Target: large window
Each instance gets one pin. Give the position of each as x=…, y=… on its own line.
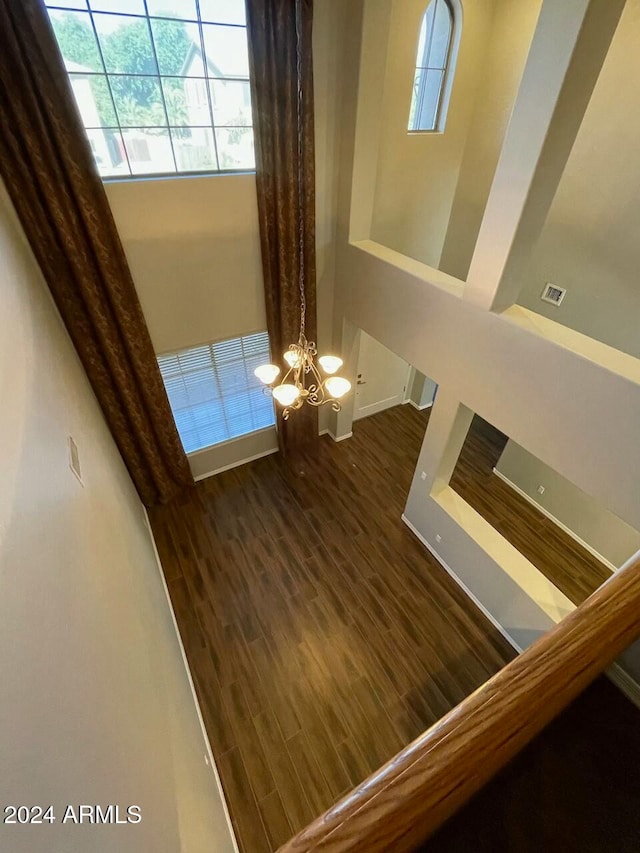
x=434, y=67
x=213, y=393
x=162, y=85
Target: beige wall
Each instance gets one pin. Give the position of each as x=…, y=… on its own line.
x=589, y=243
x=96, y=703
x=418, y=172
x=592, y=523
x=500, y=70
x=194, y=251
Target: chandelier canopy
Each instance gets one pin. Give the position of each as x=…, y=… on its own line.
x=303, y=381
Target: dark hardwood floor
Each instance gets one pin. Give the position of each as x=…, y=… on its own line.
x=321, y=635
x=559, y=557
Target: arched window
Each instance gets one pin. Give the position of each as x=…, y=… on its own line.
x=434, y=67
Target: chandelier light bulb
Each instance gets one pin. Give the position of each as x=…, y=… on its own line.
x=267, y=373
x=337, y=386
x=286, y=394
x=293, y=358
x=330, y=363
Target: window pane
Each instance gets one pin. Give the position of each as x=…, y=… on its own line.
x=195, y=150
x=108, y=151
x=426, y=95
x=138, y=101
x=186, y=101
x=213, y=393
x=231, y=101
x=426, y=29
x=126, y=44
x=235, y=148
x=76, y=40
x=149, y=151
x=93, y=98
x=143, y=82
x=173, y=8
x=128, y=7
x=226, y=51
x=177, y=46
x=223, y=11
x=441, y=36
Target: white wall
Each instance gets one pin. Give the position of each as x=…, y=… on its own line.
x=592, y=523
x=589, y=243
x=418, y=172
x=96, y=704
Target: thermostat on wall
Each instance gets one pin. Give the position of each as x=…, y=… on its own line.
x=553, y=294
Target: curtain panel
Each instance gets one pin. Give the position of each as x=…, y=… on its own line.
x=271, y=27
x=48, y=168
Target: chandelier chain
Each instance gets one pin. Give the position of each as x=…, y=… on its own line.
x=301, y=197
x=303, y=383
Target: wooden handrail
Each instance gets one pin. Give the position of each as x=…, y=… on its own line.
x=413, y=794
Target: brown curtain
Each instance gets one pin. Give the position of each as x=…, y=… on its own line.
x=48, y=169
x=271, y=26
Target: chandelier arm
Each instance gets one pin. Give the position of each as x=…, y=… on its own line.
x=283, y=381
x=335, y=404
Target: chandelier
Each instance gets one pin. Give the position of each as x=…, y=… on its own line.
x=303, y=382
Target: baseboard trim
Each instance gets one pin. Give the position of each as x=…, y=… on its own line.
x=212, y=762
x=380, y=406
x=334, y=437
x=555, y=520
x=419, y=408
x=236, y=464
x=461, y=584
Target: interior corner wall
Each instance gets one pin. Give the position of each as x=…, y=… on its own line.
x=599, y=528
x=418, y=172
x=505, y=54
x=96, y=704
x=589, y=244
x=422, y=390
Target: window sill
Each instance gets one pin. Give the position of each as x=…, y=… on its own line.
x=168, y=176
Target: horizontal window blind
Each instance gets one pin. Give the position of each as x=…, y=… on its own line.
x=213, y=393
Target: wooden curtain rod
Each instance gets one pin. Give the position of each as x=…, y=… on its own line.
x=405, y=801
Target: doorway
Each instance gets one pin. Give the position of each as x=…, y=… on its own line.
x=382, y=378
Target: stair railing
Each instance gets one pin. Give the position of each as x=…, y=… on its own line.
x=405, y=801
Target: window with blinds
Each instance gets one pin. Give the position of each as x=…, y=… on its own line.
x=213, y=393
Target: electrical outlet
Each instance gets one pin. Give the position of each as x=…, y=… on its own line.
x=423, y=476
x=438, y=537
x=541, y=490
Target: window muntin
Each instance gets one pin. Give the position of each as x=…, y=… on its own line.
x=162, y=85
x=433, y=66
x=213, y=392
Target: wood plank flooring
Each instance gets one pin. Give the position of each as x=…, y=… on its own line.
x=568, y=565
x=321, y=635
